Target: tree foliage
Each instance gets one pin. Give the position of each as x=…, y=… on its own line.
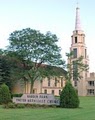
x=1, y=52
x=75, y=67
x=5, y=71
x=35, y=49
x=69, y=97
x=5, y=95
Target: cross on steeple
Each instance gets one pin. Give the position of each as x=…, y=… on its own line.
x=77, y=3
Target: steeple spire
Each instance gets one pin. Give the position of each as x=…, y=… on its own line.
x=77, y=21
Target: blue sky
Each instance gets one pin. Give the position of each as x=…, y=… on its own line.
x=57, y=16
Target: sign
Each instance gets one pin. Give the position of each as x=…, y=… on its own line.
x=47, y=99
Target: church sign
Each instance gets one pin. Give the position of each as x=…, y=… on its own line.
x=47, y=99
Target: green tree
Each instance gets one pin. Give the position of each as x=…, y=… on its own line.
x=69, y=97
x=35, y=49
x=1, y=52
x=4, y=71
x=75, y=67
x=5, y=95
x=9, y=68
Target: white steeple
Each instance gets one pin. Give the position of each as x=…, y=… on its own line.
x=79, y=49
x=77, y=21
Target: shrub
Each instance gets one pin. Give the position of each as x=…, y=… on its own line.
x=20, y=105
x=16, y=95
x=28, y=105
x=39, y=106
x=0, y=97
x=69, y=97
x=35, y=105
x=5, y=95
x=11, y=105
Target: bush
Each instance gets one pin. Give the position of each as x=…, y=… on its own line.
x=11, y=105
x=16, y=95
x=28, y=105
x=20, y=105
x=39, y=106
x=0, y=97
x=69, y=97
x=5, y=95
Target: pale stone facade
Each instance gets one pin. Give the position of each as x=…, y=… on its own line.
x=91, y=85
x=79, y=48
x=51, y=85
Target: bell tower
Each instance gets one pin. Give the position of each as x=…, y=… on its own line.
x=79, y=49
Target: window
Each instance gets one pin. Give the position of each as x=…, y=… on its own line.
x=83, y=39
x=75, y=52
x=49, y=81
x=91, y=83
x=55, y=82
x=75, y=83
x=75, y=71
x=85, y=53
x=90, y=91
x=75, y=39
x=52, y=92
x=61, y=82
x=59, y=92
x=34, y=91
x=45, y=91
x=86, y=74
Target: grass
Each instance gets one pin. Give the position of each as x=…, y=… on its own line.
x=86, y=111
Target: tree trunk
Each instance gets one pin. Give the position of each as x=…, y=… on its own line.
x=25, y=86
x=31, y=88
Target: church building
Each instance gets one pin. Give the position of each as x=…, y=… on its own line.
x=54, y=85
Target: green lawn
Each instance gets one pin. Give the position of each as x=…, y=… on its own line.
x=85, y=112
